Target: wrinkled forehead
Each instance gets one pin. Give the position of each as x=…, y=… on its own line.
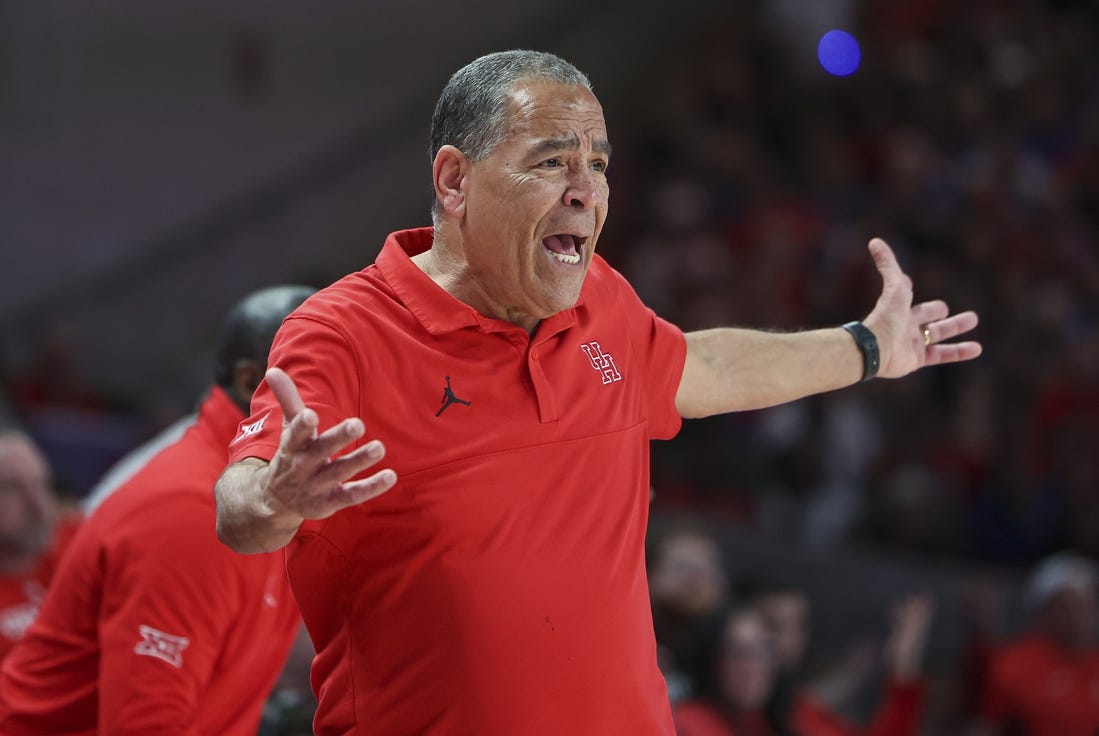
x=542, y=107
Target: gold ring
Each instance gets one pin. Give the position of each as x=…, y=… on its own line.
x=927, y=337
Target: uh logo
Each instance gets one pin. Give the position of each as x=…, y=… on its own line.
x=601, y=362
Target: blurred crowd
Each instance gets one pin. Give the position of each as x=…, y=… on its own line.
x=968, y=139
x=746, y=183
x=736, y=656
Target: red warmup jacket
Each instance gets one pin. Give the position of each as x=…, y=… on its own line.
x=151, y=625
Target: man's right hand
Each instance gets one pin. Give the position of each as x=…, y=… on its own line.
x=261, y=505
x=303, y=478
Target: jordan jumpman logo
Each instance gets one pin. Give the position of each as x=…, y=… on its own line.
x=449, y=398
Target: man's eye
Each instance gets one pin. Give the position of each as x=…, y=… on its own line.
x=599, y=165
x=552, y=162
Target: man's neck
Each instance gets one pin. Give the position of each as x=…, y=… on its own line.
x=451, y=274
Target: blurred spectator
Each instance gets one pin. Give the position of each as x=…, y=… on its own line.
x=743, y=678
x=1046, y=682
x=785, y=610
x=688, y=586
x=33, y=534
x=752, y=689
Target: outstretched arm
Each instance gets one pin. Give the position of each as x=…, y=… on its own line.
x=261, y=504
x=736, y=369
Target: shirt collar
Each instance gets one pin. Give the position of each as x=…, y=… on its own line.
x=435, y=309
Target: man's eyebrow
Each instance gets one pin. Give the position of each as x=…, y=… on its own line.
x=566, y=143
x=549, y=145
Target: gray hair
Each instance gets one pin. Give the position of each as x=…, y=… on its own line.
x=471, y=113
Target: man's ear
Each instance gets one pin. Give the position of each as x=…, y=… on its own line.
x=449, y=172
x=246, y=377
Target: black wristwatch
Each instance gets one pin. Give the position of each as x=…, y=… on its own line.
x=868, y=346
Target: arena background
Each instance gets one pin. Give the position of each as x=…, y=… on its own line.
x=157, y=162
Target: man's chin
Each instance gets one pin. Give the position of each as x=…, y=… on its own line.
x=562, y=303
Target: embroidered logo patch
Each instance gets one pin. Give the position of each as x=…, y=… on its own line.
x=247, y=430
x=15, y=619
x=165, y=647
x=602, y=362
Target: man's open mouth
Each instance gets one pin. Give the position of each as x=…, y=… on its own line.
x=565, y=247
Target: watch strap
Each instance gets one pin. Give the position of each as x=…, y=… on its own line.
x=868, y=346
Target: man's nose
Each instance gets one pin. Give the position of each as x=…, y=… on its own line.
x=582, y=190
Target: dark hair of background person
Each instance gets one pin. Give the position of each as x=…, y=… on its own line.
x=779, y=708
x=245, y=335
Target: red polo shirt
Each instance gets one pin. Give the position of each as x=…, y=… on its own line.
x=499, y=588
x=151, y=625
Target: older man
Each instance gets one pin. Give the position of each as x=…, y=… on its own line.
x=516, y=380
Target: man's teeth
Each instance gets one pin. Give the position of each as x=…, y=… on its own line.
x=565, y=258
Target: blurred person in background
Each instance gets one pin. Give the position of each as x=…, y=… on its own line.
x=152, y=625
x=750, y=686
x=737, y=683
x=787, y=611
x=1046, y=682
x=33, y=533
x=689, y=589
x=903, y=692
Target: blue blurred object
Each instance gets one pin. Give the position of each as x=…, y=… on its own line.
x=839, y=53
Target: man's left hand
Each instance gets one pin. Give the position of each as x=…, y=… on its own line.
x=913, y=336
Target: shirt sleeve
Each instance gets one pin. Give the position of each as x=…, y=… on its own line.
x=660, y=350
x=169, y=600
x=324, y=367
